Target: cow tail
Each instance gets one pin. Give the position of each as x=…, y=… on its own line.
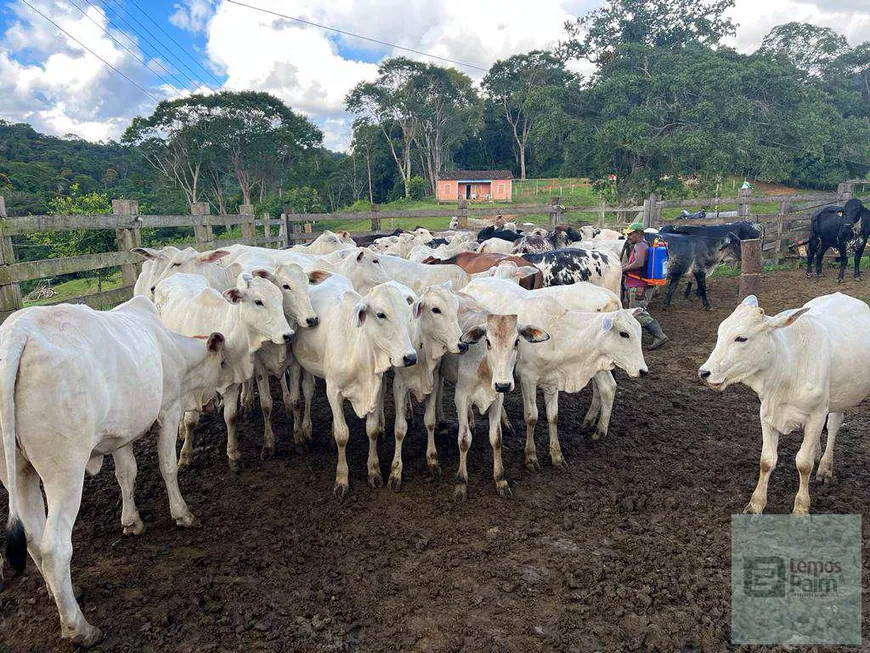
x=10, y=357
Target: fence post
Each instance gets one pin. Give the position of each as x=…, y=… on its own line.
x=750, y=268
x=248, y=230
x=744, y=203
x=10, y=295
x=651, y=211
x=288, y=228
x=462, y=213
x=128, y=238
x=555, y=212
x=844, y=191
x=646, y=216
x=601, y=215
x=376, y=219
x=267, y=230
x=784, y=209
x=202, y=230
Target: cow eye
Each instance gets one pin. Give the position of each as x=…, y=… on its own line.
x=624, y=334
x=381, y=316
x=376, y=262
x=258, y=302
x=436, y=310
x=224, y=363
x=740, y=339
x=488, y=344
x=517, y=343
x=286, y=286
x=176, y=265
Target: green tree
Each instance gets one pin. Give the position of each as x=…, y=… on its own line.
x=808, y=47
x=520, y=83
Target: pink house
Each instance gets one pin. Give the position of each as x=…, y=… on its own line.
x=475, y=185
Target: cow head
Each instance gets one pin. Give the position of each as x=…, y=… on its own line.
x=438, y=310
x=621, y=341
x=156, y=261
x=502, y=335
x=382, y=314
x=363, y=268
x=858, y=216
x=729, y=248
x=293, y=283
x=261, y=309
x=743, y=344
x=203, y=377
x=189, y=261
x=511, y=271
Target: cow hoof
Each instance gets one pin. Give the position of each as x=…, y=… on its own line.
x=434, y=469
x=394, y=482
x=503, y=489
x=460, y=493
x=188, y=521
x=267, y=453
x=184, y=461
x=136, y=528
x=89, y=637
x=235, y=465
x=752, y=509
x=533, y=465
x=339, y=490
x=839, y=281
x=559, y=462
x=801, y=510
x=376, y=481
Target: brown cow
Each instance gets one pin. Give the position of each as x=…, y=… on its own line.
x=473, y=262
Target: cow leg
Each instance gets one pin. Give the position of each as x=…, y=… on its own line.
x=804, y=461
x=231, y=414
x=400, y=429
x=844, y=261
x=825, y=471
x=859, y=252
x=530, y=415
x=341, y=434
x=820, y=255
x=701, y=280
x=63, y=492
x=495, y=440
x=594, y=409
x=308, y=393
x=295, y=388
x=812, y=246
x=551, y=401
x=374, y=463
x=439, y=402
x=769, y=444
x=460, y=490
x=672, y=286
x=169, y=471
x=125, y=472
x=262, y=376
x=431, y=421
x=189, y=422
x=604, y=385
x=247, y=396
x=382, y=419
x=688, y=290
x=286, y=395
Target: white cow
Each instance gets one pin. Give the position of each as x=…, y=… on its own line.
x=583, y=346
x=594, y=233
x=496, y=246
x=506, y=270
x=418, y=276
x=326, y=243
x=156, y=261
x=360, y=265
x=358, y=340
x=807, y=365
x=248, y=315
x=482, y=375
x=77, y=385
x=189, y=261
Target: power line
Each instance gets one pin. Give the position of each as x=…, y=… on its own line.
x=357, y=36
x=178, y=45
x=136, y=56
x=91, y=51
x=169, y=56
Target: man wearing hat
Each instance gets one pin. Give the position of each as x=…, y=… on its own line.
x=639, y=293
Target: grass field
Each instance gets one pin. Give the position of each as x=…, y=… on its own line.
x=78, y=287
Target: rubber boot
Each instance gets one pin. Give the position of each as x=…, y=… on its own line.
x=655, y=330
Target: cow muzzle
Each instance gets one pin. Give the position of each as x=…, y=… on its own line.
x=503, y=387
x=409, y=359
x=312, y=321
x=463, y=347
x=289, y=337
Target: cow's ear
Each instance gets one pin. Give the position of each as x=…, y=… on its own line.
x=264, y=274
x=359, y=256
x=637, y=311
x=533, y=333
x=147, y=252
x=215, y=342
x=359, y=314
x=473, y=335
x=751, y=300
x=212, y=257
x=417, y=309
x=447, y=285
x=786, y=318
x=317, y=276
x=244, y=280
x=607, y=324
x=234, y=295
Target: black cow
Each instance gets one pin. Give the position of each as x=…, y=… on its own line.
x=838, y=227
x=505, y=234
x=695, y=256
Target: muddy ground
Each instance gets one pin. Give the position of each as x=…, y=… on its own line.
x=626, y=550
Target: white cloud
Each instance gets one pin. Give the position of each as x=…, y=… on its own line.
x=192, y=15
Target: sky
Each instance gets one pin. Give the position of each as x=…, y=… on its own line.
x=168, y=48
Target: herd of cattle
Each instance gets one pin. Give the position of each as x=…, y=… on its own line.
x=478, y=311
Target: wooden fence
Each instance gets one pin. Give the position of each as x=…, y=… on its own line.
x=781, y=228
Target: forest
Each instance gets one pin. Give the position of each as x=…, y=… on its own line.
x=666, y=99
